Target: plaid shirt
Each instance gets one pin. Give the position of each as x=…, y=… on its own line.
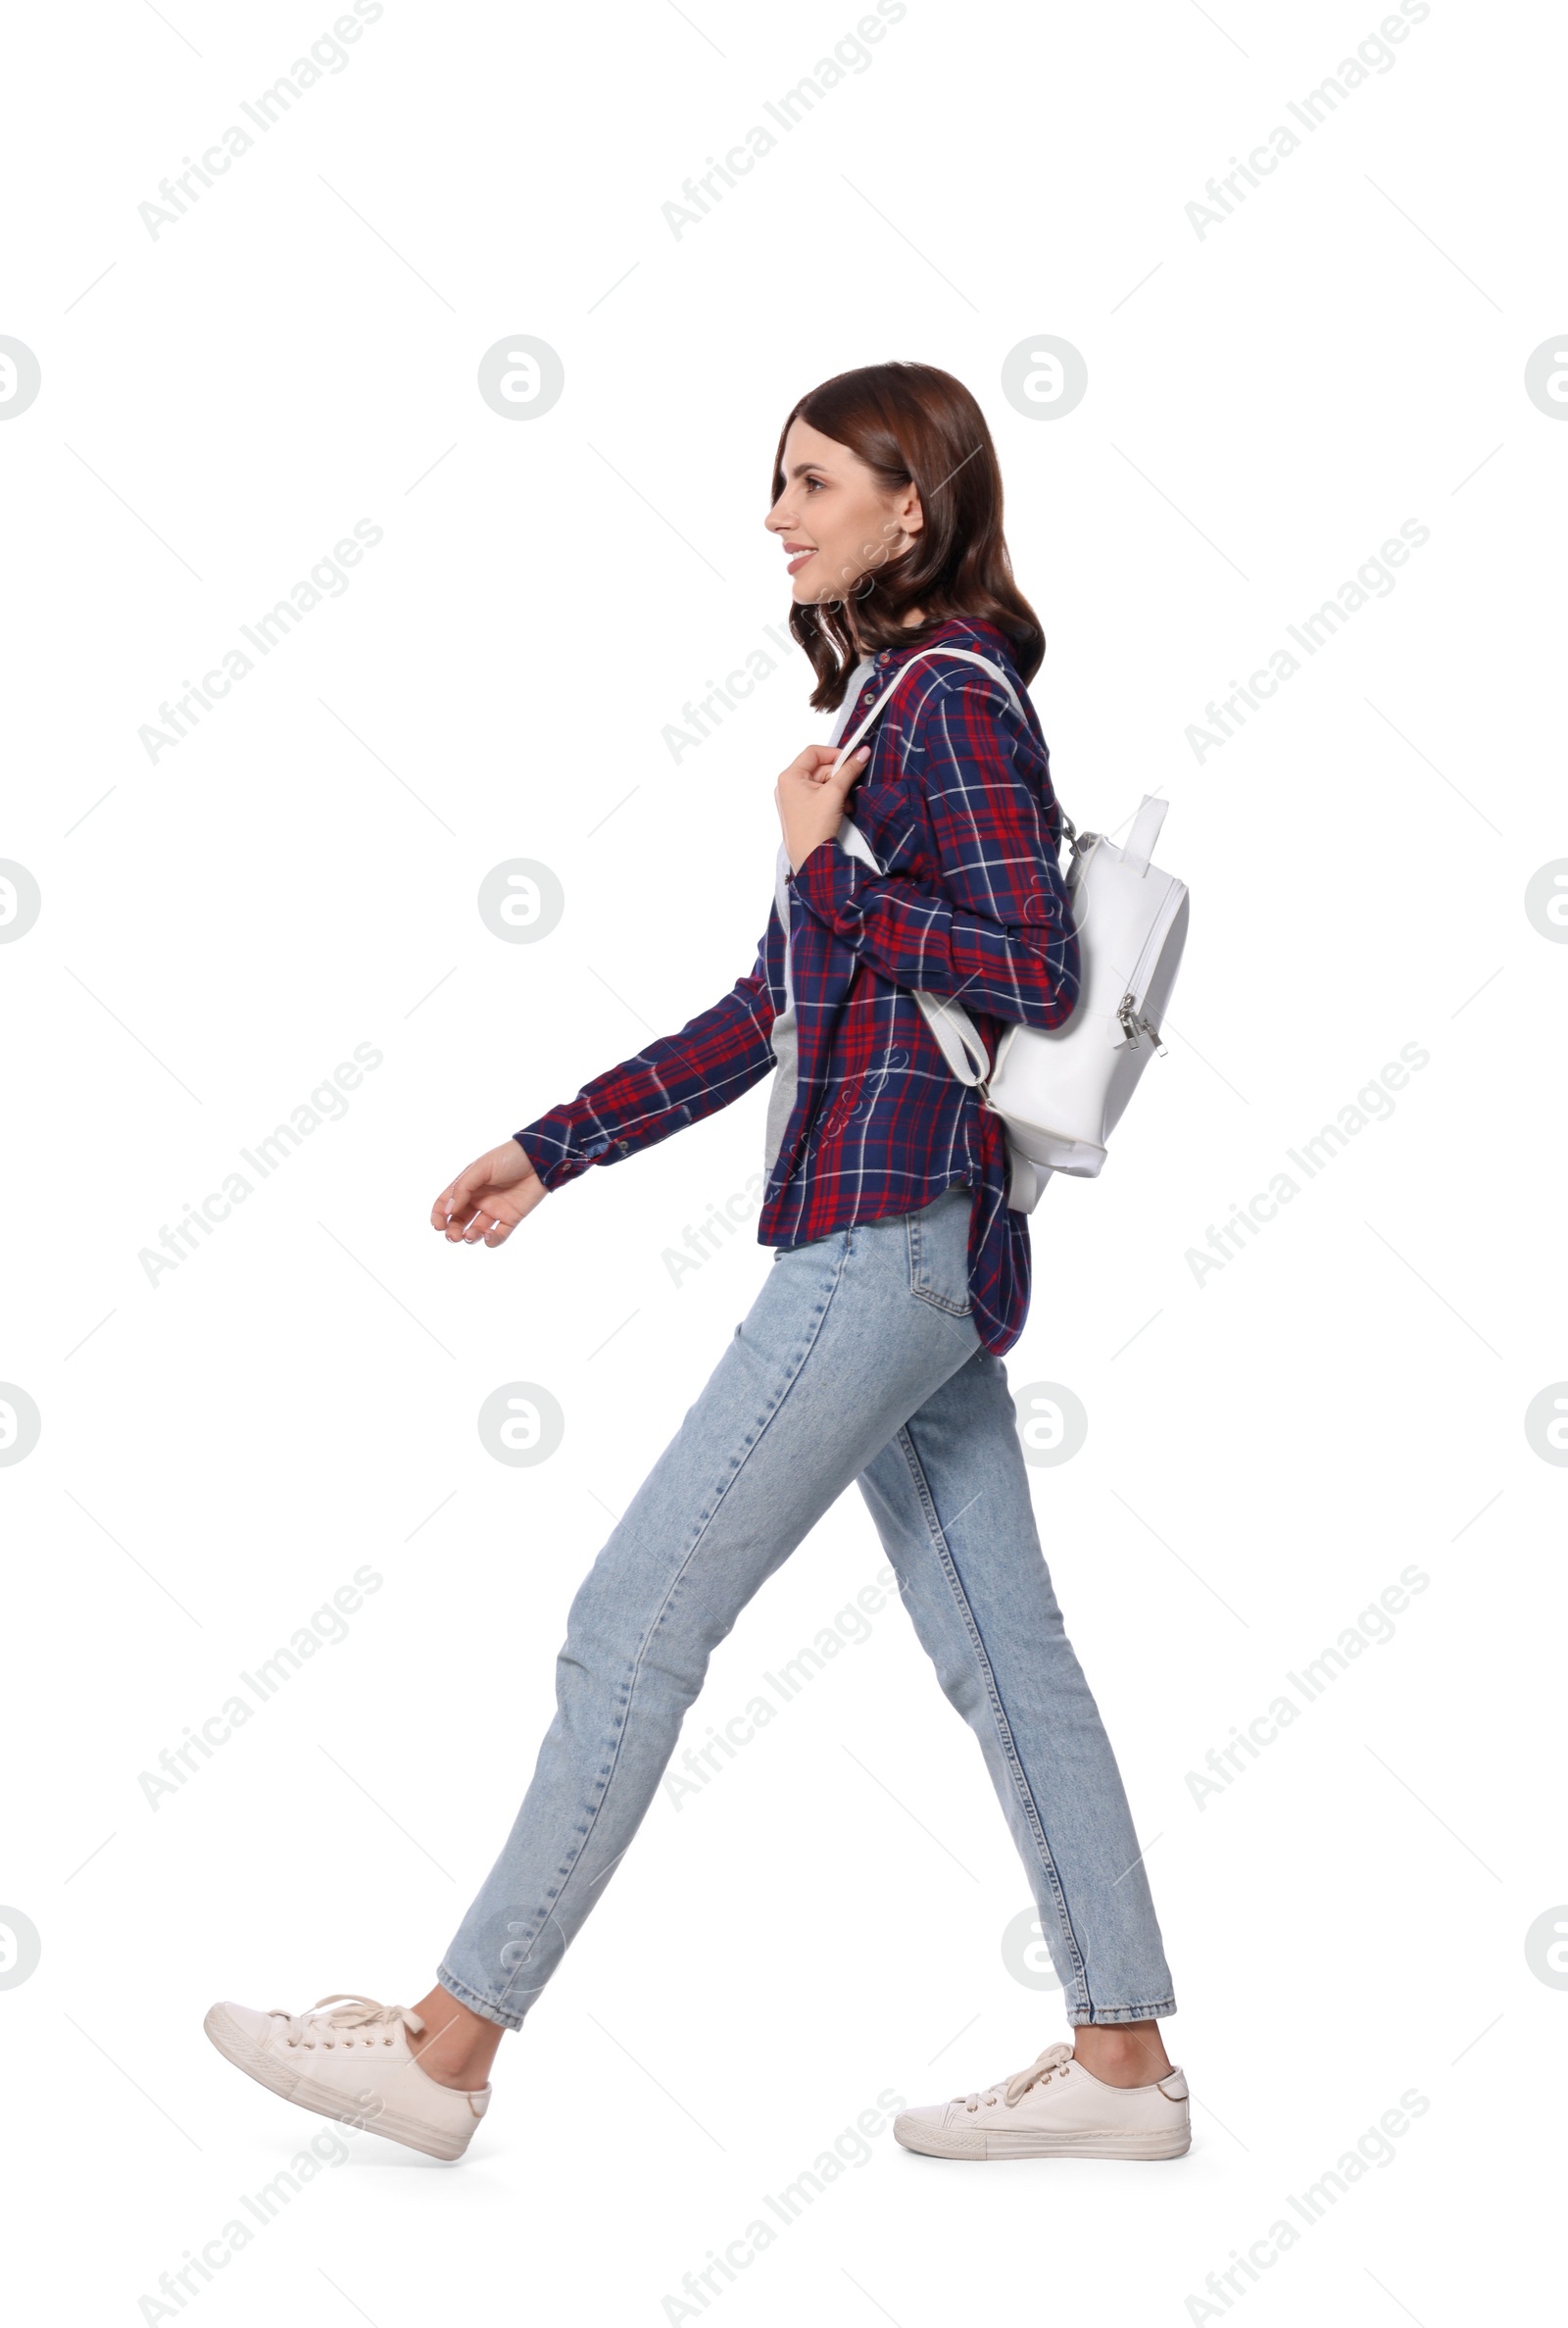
x=958, y=806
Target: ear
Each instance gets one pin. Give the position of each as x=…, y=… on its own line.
x=908, y=511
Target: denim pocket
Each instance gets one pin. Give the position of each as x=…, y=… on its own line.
x=939, y=1252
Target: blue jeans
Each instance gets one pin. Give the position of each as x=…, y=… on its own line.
x=858, y=1361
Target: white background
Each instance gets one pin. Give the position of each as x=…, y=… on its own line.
x=1266, y=1450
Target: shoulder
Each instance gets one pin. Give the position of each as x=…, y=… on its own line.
x=945, y=697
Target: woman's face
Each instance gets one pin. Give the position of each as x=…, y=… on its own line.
x=836, y=522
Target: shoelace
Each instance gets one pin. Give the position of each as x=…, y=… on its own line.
x=1053, y=2061
x=344, y=2019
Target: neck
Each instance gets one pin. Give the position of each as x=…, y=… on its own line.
x=910, y=622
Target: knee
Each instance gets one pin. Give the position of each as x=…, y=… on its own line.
x=609, y=1654
x=962, y=1686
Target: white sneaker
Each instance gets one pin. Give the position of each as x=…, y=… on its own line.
x=1053, y=2110
x=348, y=2058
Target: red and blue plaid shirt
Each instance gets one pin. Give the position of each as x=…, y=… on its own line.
x=958, y=806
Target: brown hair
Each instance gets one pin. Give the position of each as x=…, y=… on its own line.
x=914, y=424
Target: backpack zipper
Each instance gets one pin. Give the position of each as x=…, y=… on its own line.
x=1129, y=1011
x=1130, y=1024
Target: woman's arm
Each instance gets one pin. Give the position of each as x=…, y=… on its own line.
x=715, y=1057
x=672, y=1082
x=997, y=933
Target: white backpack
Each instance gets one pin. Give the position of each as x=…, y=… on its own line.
x=1061, y=1092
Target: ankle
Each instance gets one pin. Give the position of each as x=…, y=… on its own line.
x=457, y=2047
x=1122, y=2053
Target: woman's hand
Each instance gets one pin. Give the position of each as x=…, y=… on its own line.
x=489, y=1199
x=810, y=798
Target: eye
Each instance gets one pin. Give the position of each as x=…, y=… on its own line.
x=813, y=483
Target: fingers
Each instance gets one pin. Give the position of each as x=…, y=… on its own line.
x=455, y=1204
x=807, y=766
x=821, y=765
x=829, y=762
x=457, y=1211
x=488, y=1223
x=441, y=1210
x=842, y=774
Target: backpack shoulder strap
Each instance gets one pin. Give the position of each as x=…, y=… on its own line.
x=957, y=1035
x=961, y=655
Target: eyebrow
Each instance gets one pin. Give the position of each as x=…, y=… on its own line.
x=801, y=467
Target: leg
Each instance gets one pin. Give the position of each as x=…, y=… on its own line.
x=850, y=1335
x=950, y=1494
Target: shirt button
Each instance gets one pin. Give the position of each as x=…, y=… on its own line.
x=881, y=661
x=869, y=696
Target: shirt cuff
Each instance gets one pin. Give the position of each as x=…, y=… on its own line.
x=826, y=883
x=557, y=1150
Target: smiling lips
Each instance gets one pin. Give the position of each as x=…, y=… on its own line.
x=799, y=552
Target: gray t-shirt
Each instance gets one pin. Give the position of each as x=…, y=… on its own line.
x=786, y=1047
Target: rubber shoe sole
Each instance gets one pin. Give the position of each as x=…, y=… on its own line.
x=976, y=2143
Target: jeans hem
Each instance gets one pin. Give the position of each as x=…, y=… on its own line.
x=475, y=2002
x=1093, y=2017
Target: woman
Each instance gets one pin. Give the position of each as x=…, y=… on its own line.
x=873, y=1351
